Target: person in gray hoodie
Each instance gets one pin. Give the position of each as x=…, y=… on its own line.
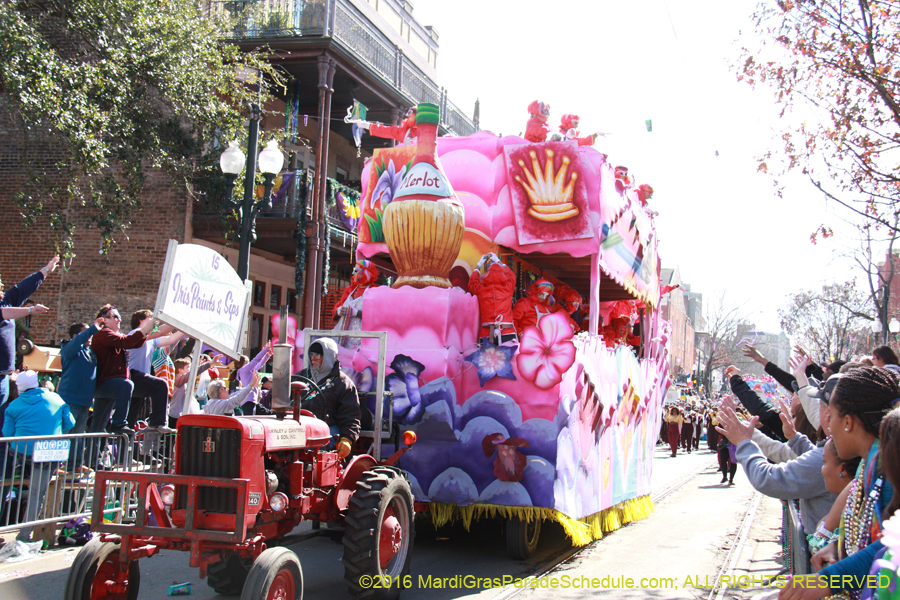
x=798, y=479
x=336, y=402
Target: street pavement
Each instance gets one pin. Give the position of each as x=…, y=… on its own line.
x=689, y=535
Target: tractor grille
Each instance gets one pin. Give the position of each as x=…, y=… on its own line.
x=210, y=452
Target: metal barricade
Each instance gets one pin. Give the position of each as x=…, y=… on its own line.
x=797, y=544
x=47, y=480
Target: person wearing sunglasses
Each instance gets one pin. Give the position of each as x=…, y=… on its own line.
x=114, y=386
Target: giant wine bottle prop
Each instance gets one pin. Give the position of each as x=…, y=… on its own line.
x=425, y=222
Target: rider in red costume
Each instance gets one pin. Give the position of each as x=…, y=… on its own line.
x=568, y=301
x=619, y=330
x=348, y=310
x=405, y=132
x=493, y=283
x=536, y=129
x=568, y=128
x=536, y=304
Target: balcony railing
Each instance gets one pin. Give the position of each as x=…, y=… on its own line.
x=348, y=27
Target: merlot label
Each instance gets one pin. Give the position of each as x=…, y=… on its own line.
x=424, y=178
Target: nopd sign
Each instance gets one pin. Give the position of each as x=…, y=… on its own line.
x=203, y=296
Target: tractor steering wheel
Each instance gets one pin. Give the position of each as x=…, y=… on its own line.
x=312, y=388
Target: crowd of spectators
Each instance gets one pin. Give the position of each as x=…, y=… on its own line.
x=834, y=449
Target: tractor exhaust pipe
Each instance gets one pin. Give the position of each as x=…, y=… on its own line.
x=281, y=370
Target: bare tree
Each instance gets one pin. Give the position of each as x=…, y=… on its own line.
x=831, y=323
x=720, y=345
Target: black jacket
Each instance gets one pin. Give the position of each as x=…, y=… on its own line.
x=786, y=379
x=768, y=416
x=338, y=404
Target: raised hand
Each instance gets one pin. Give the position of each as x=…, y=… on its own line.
x=787, y=421
x=51, y=266
x=733, y=428
x=754, y=354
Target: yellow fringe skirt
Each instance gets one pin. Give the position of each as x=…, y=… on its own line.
x=580, y=531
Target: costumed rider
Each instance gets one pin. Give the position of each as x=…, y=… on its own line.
x=338, y=403
x=619, y=331
x=493, y=283
x=405, y=133
x=568, y=128
x=536, y=304
x=536, y=129
x=349, y=309
x=568, y=302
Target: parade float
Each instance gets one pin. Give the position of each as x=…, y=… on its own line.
x=548, y=411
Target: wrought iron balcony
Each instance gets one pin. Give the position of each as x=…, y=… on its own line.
x=347, y=26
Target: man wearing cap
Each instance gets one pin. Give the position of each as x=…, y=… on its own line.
x=337, y=403
x=36, y=411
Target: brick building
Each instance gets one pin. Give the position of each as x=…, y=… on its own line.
x=886, y=273
x=683, y=355
x=334, y=51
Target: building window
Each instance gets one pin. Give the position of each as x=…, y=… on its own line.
x=259, y=294
x=292, y=300
x=275, y=297
x=256, y=327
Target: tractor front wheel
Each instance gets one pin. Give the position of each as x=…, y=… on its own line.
x=275, y=575
x=95, y=570
x=522, y=538
x=379, y=534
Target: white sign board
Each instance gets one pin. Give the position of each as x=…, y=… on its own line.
x=50, y=450
x=201, y=295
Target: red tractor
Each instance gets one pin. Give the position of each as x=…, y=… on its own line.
x=238, y=485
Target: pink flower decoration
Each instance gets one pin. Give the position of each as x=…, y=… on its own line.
x=546, y=351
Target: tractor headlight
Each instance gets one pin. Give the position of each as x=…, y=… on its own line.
x=278, y=502
x=167, y=494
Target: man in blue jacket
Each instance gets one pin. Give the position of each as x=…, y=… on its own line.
x=78, y=380
x=37, y=411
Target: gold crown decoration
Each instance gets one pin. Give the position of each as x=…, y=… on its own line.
x=551, y=196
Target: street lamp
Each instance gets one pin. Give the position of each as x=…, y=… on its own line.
x=271, y=160
x=894, y=327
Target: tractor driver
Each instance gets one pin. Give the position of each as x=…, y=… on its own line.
x=338, y=402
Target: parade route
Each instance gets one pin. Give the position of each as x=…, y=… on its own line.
x=686, y=540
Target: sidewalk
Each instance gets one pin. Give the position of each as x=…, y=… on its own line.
x=760, y=556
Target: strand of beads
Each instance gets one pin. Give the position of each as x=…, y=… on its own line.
x=859, y=531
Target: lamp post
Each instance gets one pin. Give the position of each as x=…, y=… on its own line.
x=894, y=327
x=877, y=328
x=271, y=161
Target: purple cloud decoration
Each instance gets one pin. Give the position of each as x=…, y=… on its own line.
x=448, y=463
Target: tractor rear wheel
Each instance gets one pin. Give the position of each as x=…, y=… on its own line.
x=522, y=538
x=275, y=575
x=379, y=534
x=94, y=573
x=227, y=577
